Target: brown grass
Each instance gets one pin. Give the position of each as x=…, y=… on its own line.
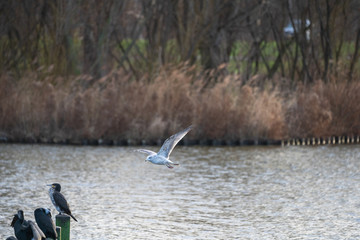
x=117, y=108
x=324, y=110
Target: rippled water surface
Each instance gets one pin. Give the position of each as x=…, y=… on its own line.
x=216, y=193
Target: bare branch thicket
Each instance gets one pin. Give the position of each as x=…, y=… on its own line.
x=354, y=23
x=67, y=37
x=301, y=40
x=96, y=28
x=355, y=56
x=126, y=28
x=158, y=19
x=315, y=51
x=263, y=27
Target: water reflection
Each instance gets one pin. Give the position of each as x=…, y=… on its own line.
x=216, y=193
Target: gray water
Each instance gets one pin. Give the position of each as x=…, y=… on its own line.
x=216, y=192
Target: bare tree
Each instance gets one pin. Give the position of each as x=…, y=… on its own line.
x=94, y=37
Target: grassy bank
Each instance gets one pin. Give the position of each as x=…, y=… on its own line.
x=117, y=109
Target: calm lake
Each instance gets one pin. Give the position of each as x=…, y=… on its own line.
x=216, y=192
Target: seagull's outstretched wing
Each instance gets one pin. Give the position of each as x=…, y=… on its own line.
x=171, y=142
x=149, y=152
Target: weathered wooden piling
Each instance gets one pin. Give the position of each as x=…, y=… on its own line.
x=58, y=231
x=320, y=141
x=63, y=221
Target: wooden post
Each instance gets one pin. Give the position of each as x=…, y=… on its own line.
x=58, y=231
x=63, y=221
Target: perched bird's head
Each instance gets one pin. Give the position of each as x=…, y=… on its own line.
x=47, y=211
x=20, y=214
x=55, y=186
x=42, y=211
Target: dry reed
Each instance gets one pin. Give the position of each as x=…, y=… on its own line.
x=117, y=108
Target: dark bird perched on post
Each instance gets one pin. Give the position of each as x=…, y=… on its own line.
x=45, y=222
x=21, y=227
x=59, y=200
x=25, y=230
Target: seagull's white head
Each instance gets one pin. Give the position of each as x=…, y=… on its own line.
x=149, y=158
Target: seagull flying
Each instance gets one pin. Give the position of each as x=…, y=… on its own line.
x=162, y=157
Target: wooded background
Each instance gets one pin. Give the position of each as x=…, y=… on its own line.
x=68, y=37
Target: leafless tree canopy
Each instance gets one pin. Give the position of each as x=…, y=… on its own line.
x=95, y=37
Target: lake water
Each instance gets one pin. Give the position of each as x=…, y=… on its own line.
x=216, y=192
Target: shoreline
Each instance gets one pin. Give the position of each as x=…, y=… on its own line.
x=189, y=142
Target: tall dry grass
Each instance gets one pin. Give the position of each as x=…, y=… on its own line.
x=118, y=108
x=325, y=110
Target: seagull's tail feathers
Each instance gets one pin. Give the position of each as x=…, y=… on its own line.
x=169, y=166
